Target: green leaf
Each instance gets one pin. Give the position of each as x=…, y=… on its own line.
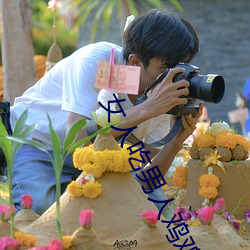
x=5, y=144
x=85, y=140
x=24, y=134
x=177, y=5
x=132, y=7
x=20, y=123
x=56, y=147
x=32, y=143
x=71, y=136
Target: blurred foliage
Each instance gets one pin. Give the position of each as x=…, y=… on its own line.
x=42, y=19
x=101, y=11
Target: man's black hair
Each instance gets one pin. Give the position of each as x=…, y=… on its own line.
x=161, y=34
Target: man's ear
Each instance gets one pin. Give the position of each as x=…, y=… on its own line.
x=134, y=60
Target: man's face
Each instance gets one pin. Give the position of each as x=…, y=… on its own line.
x=148, y=75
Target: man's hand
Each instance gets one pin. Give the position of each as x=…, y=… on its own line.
x=188, y=125
x=167, y=94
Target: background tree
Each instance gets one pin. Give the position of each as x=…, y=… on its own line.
x=102, y=11
x=18, y=44
x=17, y=47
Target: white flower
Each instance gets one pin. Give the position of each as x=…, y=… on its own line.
x=101, y=115
x=217, y=127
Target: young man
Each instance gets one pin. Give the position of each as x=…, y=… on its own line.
x=154, y=41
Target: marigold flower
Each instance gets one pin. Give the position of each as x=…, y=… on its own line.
x=206, y=141
x=92, y=189
x=208, y=192
x=93, y=169
x=26, y=201
x=209, y=180
x=75, y=189
x=24, y=239
x=206, y=215
x=242, y=141
x=67, y=242
x=86, y=218
x=98, y=162
x=180, y=177
x=150, y=217
x=8, y=243
x=226, y=140
x=193, y=223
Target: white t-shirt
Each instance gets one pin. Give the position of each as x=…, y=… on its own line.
x=69, y=86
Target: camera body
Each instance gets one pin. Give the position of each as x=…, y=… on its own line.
x=209, y=88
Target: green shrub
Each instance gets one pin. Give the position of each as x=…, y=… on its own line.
x=42, y=19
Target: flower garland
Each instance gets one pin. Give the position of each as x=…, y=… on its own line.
x=180, y=177
x=219, y=135
x=99, y=162
x=94, y=164
x=208, y=186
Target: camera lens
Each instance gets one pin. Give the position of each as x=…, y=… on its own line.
x=209, y=88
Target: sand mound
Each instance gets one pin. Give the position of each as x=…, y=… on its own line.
x=117, y=222
x=235, y=183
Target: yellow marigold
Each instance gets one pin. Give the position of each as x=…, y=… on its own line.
x=225, y=139
x=206, y=141
x=165, y=187
x=193, y=223
x=92, y=189
x=83, y=156
x=27, y=240
x=93, y=169
x=243, y=141
x=180, y=177
x=101, y=161
x=67, y=242
x=195, y=141
x=209, y=180
x=208, y=192
x=75, y=189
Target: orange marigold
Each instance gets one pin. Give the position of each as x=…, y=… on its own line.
x=209, y=180
x=24, y=239
x=225, y=139
x=208, y=192
x=243, y=141
x=180, y=177
x=67, y=242
x=206, y=141
x=195, y=141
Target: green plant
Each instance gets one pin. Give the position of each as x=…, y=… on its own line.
x=102, y=11
x=42, y=19
x=10, y=148
x=60, y=152
x=4, y=191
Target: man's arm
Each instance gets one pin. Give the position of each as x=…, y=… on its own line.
x=166, y=155
x=163, y=98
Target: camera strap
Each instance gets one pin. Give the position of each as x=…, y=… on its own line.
x=173, y=132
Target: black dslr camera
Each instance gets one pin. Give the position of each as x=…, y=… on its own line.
x=209, y=88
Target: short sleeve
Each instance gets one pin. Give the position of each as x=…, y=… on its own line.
x=78, y=93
